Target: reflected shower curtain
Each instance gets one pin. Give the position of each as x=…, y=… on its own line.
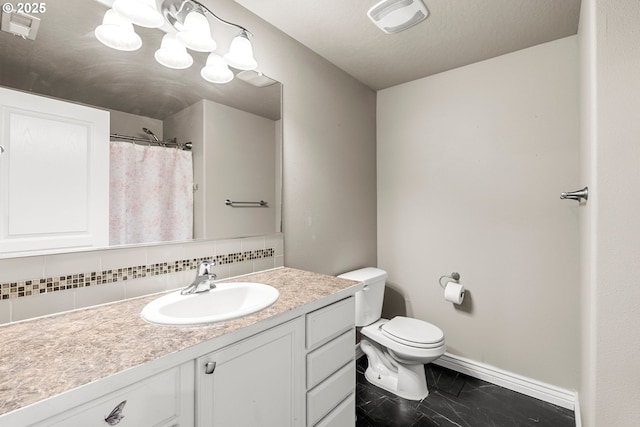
x=150, y=195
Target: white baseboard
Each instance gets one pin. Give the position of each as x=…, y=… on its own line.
x=546, y=392
x=576, y=412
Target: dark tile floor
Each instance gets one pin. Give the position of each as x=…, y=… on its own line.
x=455, y=400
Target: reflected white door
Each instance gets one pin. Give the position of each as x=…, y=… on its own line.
x=54, y=180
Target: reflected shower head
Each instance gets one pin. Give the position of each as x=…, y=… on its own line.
x=153, y=135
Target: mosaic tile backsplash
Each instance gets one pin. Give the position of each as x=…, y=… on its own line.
x=25, y=288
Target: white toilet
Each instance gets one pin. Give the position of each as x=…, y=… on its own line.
x=396, y=349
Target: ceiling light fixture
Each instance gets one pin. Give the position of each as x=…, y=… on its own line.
x=196, y=33
x=216, y=70
x=117, y=32
x=139, y=12
x=173, y=54
x=188, y=28
x=240, y=53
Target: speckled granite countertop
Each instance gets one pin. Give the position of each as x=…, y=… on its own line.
x=44, y=357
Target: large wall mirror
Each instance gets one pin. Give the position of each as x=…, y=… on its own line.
x=229, y=125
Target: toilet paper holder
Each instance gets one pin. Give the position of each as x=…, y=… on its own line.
x=453, y=291
x=453, y=276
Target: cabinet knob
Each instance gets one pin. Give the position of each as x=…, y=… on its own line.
x=209, y=367
x=1, y=149
x=116, y=415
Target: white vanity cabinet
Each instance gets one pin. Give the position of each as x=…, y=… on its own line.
x=54, y=174
x=272, y=379
x=294, y=373
x=255, y=382
x=162, y=400
x=330, y=365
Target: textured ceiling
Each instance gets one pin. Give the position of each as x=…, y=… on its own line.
x=456, y=33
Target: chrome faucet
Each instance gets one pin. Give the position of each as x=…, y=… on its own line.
x=203, y=281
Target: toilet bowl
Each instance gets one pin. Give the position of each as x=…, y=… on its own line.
x=396, y=349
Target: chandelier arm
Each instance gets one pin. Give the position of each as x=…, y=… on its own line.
x=216, y=16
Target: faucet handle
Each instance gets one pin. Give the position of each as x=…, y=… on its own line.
x=204, y=268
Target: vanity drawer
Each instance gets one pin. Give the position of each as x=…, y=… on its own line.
x=327, y=359
x=329, y=322
x=343, y=415
x=328, y=394
x=165, y=399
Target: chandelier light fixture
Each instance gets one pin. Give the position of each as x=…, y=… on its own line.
x=173, y=54
x=188, y=28
x=117, y=32
x=139, y=12
x=196, y=33
x=240, y=53
x=216, y=70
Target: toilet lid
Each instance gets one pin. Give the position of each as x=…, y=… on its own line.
x=413, y=332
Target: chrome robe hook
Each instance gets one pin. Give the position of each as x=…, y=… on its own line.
x=576, y=195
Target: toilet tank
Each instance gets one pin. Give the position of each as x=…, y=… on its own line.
x=369, y=300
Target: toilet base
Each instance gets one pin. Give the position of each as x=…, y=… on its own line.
x=405, y=380
x=412, y=389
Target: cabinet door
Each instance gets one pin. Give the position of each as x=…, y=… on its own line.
x=256, y=382
x=54, y=174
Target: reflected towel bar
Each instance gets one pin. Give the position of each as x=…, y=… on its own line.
x=260, y=204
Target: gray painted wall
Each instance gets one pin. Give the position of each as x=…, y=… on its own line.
x=471, y=163
x=329, y=156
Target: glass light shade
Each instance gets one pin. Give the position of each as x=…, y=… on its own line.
x=117, y=32
x=140, y=12
x=196, y=33
x=240, y=53
x=216, y=70
x=173, y=54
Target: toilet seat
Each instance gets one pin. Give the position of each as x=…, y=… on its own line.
x=413, y=332
x=401, y=349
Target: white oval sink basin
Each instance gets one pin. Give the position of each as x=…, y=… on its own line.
x=226, y=301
